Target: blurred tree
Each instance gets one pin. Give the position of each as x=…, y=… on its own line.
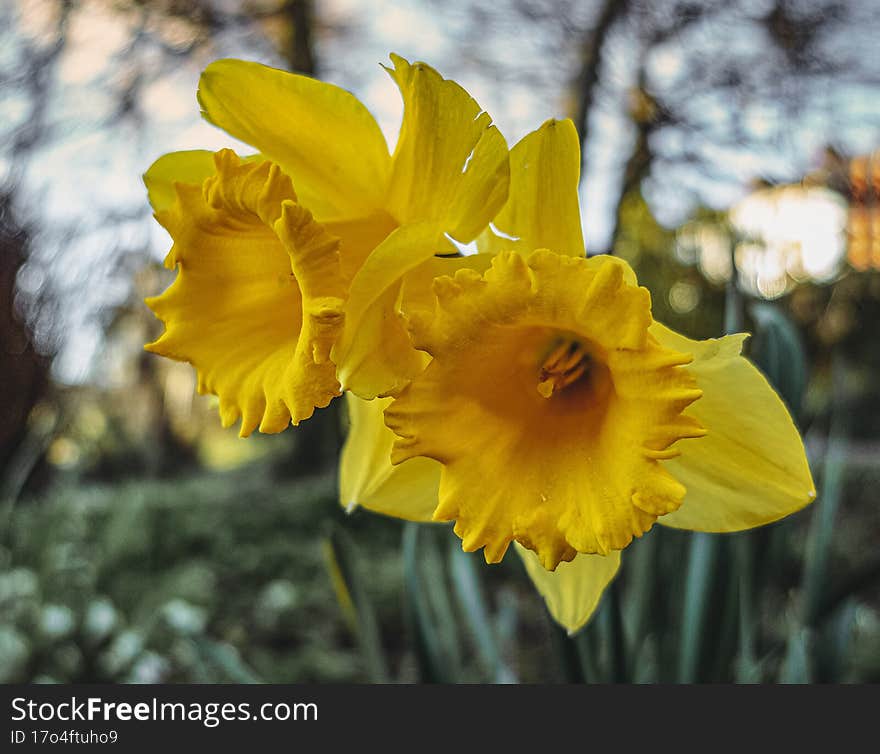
x=45, y=66
x=587, y=82
x=713, y=91
x=23, y=371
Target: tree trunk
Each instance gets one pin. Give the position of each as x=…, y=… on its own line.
x=317, y=441
x=587, y=80
x=301, y=55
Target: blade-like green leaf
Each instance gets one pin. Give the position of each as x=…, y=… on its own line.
x=702, y=561
x=747, y=669
x=422, y=575
x=830, y=494
x=611, y=625
x=796, y=665
x=642, y=581
x=342, y=559
x=467, y=589
x=778, y=349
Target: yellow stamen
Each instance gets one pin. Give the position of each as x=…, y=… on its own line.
x=557, y=354
x=565, y=365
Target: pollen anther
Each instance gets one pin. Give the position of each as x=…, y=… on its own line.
x=565, y=365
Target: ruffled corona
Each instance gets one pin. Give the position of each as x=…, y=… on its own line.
x=258, y=300
x=549, y=405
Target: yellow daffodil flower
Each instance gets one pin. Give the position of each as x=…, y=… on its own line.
x=291, y=263
x=564, y=418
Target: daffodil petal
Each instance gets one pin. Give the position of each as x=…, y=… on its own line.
x=320, y=135
x=572, y=592
x=366, y=476
x=358, y=237
x=417, y=294
x=258, y=299
x=751, y=468
x=450, y=164
x=375, y=356
x=191, y=166
x=542, y=210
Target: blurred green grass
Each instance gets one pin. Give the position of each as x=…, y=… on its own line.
x=215, y=577
x=209, y=578
x=224, y=578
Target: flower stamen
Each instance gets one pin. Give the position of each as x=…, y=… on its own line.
x=565, y=365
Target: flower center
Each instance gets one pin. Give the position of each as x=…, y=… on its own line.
x=564, y=365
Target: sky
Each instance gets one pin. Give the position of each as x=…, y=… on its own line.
x=521, y=75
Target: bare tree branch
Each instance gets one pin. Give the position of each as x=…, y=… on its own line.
x=587, y=80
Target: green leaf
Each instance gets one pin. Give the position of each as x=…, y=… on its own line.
x=822, y=525
x=747, y=669
x=778, y=349
x=642, y=583
x=571, y=652
x=702, y=562
x=835, y=642
x=796, y=665
x=341, y=557
x=611, y=625
x=427, y=607
x=468, y=591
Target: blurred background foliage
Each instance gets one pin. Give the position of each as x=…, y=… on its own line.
x=730, y=154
